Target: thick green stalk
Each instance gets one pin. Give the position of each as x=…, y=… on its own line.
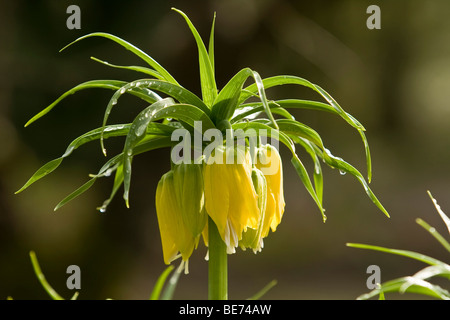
x=217, y=264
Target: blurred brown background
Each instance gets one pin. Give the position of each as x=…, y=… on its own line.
x=394, y=80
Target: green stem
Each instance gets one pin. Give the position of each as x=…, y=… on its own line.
x=217, y=264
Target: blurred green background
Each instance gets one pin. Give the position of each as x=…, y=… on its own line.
x=395, y=81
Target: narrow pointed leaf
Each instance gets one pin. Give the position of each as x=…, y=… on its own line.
x=263, y=291
x=292, y=127
x=141, y=54
x=441, y=213
x=283, y=80
x=226, y=102
x=318, y=175
x=175, y=91
x=145, y=70
x=110, y=131
x=42, y=172
x=76, y=193
x=169, y=290
x=211, y=43
x=396, y=284
x=160, y=283
x=345, y=167
x=136, y=134
x=207, y=79
x=434, y=233
x=107, y=84
x=303, y=174
x=406, y=253
x=37, y=270
x=187, y=113
x=118, y=181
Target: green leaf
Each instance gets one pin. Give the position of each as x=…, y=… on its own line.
x=107, y=84
x=187, y=113
x=283, y=80
x=159, y=110
x=303, y=174
x=306, y=104
x=395, y=285
x=441, y=213
x=76, y=193
x=175, y=91
x=152, y=144
x=292, y=127
x=42, y=172
x=263, y=291
x=434, y=233
x=169, y=290
x=226, y=102
x=109, y=131
x=318, y=175
x=343, y=166
x=262, y=95
x=37, y=270
x=211, y=43
x=118, y=181
x=105, y=171
x=406, y=253
x=207, y=79
x=145, y=70
x=141, y=54
x=160, y=283
x=137, y=133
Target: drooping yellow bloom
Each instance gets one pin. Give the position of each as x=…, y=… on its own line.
x=269, y=162
x=253, y=238
x=180, y=211
x=230, y=198
x=188, y=180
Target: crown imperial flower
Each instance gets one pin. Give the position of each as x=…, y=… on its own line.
x=230, y=198
x=176, y=235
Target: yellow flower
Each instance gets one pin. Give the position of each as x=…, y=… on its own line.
x=252, y=238
x=188, y=180
x=172, y=210
x=269, y=162
x=230, y=198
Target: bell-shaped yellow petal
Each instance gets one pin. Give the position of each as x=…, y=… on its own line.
x=230, y=198
x=188, y=180
x=175, y=235
x=269, y=162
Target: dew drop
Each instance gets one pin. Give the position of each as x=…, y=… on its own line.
x=139, y=132
x=122, y=91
